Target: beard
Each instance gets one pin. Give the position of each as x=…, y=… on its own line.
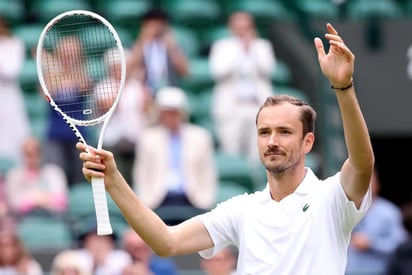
x=276, y=166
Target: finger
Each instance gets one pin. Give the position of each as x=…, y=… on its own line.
x=333, y=37
x=81, y=146
x=319, y=47
x=86, y=157
x=331, y=29
x=88, y=173
x=94, y=166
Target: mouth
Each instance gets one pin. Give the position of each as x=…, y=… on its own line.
x=273, y=153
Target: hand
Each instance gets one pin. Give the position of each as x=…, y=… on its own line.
x=97, y=163
x=338, y=64
x=360, y=241
x=170, y=41
x=41, y=199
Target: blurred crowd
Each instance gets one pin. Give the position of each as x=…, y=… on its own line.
x=164, y=150
x=167, y=158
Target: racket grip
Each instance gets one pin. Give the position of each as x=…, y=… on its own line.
x=100, y=205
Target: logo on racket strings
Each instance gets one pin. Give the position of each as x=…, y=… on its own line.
x=87, y=111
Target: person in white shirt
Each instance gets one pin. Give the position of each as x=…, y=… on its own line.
x=15, y=121
x=298, y=224
x=241, y=65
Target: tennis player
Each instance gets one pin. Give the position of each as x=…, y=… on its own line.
x=298, y=224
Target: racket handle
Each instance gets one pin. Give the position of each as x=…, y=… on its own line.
x=100, y=205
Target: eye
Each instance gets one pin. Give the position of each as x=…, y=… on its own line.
x=263, y=132
x=285, y=132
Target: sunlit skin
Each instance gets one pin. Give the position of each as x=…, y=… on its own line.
x=282, y=147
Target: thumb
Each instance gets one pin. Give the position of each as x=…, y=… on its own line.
x=319, y=47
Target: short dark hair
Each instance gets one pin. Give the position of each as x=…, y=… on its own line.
x=308, y=114
x=155, y=14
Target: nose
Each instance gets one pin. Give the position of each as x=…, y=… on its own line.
x=273, y=140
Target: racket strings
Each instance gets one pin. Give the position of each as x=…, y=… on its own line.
x=83, y=66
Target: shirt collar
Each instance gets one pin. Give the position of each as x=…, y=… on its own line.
x=304, y=187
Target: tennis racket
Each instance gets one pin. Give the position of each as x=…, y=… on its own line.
x=75, y=55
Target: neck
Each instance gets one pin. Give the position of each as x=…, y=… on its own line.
x=282, y=185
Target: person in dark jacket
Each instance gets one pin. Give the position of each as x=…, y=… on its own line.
x=401, y=260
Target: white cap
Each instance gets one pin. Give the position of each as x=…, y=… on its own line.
x=172, y=98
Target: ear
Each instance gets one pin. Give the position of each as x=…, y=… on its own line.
x=308, y=142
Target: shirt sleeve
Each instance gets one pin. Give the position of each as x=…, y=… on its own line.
x=348, y=214
x=221, y=224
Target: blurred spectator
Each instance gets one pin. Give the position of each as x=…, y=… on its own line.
x=14, y=258
x=156, y=57
x=129, y=117
x=6, y=217
x=241, y=65
x=175, y=161
x=409, y=66
x=35, y=186
x=401, y=259
x=144, y=260
x=65, y=77
x=99, y=253
x=68, y=262
x=14, y=120
x=223, y=263
x=376, y=236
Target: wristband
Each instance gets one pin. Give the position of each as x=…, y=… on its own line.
x=344, y=88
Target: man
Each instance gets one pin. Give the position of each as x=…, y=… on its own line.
x=298, y=224
x=377, y=235
x=174, y=164
x=243, y=82
x=400, y=262
x=144, y=261
x=156, y=58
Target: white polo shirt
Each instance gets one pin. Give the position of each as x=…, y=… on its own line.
x=306, y=233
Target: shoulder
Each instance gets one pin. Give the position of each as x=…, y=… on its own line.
x=17, y=42
x=263, y=41
x=152, y=131
x=387, y=205
x=196, y=129
x=243, y=201
x=51, y=167
x=224, y=42
x=13, y=173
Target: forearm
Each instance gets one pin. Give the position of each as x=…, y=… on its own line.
x=141, y=218
x=179, y=60
x=134, y=59
x=356, y=133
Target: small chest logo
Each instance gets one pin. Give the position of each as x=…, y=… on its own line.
x=305, y=207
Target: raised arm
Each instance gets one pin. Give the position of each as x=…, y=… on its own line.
x=338, y=66
x=186, y=238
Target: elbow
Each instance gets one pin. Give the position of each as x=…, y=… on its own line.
x=166, y=250
x=363, y=162
x=371, y=163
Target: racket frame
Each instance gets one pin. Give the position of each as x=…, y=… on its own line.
x=98, y=188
